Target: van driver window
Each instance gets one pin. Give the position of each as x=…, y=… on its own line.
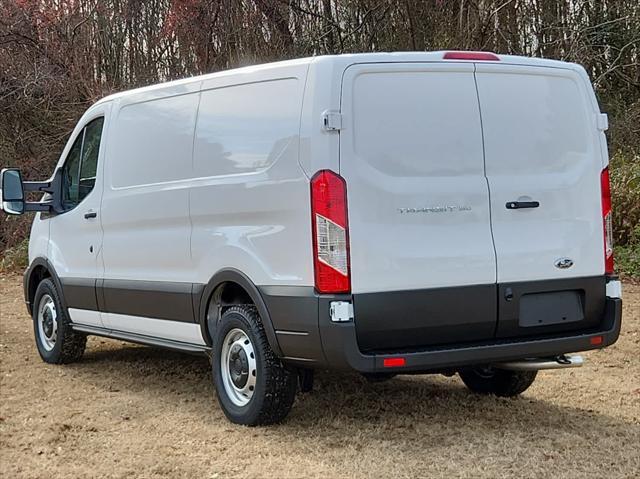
x=79, y=171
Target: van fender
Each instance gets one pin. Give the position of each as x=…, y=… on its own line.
x=236, y=276
x=43, y=262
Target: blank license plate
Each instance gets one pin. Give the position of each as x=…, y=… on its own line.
x=543, y=309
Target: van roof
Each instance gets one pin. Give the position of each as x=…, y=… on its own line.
x=340, y=60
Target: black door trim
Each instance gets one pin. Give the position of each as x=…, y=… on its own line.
x=80, y=293
x=150, y=299
x=166, y=300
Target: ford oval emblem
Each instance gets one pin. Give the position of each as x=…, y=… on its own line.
x=564, y=263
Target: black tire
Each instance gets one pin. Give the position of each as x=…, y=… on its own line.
x=275, y=383
x=501, y=382
x=68, y=345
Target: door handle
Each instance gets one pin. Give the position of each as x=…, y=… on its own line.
x=90, y=214
x=516, y=205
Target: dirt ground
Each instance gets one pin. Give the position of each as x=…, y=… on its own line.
x=134, y=411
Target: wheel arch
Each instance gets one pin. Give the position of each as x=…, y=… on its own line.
x=239, y=284
x=39, y=269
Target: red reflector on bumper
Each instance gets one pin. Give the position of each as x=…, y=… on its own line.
x=393, y=362
x=596, y=340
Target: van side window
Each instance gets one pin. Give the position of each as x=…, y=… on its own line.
x=79, y=170
x=71, y=174
x=90, y=149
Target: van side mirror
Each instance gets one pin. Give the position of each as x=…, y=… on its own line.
x=12, y=192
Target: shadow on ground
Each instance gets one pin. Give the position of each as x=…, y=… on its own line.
x=341, y=399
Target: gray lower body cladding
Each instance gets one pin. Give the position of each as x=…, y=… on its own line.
x=444, y=328
x=151, y=299
x=433, y=329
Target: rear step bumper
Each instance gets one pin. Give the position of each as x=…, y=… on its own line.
x=341, y=347
x=558, y=362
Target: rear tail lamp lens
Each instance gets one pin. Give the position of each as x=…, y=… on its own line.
x=330, y=232
x=607, y=220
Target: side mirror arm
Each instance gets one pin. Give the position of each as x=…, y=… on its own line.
x=51, y=186
x=31, y=206
x=44, y=186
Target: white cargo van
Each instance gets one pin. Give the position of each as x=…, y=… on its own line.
x=389, y=213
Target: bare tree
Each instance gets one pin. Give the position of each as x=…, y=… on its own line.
x=58, y=56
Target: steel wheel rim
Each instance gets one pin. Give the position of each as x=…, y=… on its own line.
x=47, y=322
x=238, y=367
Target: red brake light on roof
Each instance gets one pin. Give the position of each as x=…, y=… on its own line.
x=607, y=220
x=477, y=56
x=330, y=232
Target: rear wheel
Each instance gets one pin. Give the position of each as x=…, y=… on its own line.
x=56, y=341
x=252, y=385
x=501, y=382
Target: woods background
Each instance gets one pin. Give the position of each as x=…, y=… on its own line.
x=59, y=56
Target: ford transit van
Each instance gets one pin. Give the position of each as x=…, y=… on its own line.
x=388, y=213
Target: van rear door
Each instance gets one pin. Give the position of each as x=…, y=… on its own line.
x=543, y=164
x=423, y=267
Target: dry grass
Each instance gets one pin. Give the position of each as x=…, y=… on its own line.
x=132, y=411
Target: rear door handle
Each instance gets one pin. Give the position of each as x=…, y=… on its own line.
x=516, y=205
x=90, y=214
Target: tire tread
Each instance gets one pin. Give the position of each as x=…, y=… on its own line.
x=503, y=383
x=280, y=380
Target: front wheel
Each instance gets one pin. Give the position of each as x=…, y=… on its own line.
x=501, y=382
x=57, y=342
x=253, y=386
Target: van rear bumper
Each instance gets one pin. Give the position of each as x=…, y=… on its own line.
x=341, y=348
x=307, y=337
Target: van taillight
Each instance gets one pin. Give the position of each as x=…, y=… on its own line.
x=330, y=232
x=607, y=219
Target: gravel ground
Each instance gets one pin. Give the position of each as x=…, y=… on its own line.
x=133, y=411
